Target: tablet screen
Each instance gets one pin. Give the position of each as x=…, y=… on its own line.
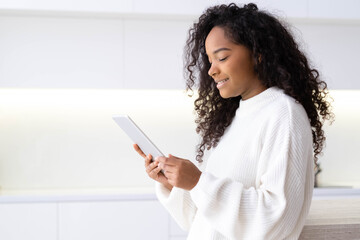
x=137, y=135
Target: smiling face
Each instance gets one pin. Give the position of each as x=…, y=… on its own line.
x=232, y=66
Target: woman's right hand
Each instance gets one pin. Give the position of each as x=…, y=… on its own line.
x=152, y=168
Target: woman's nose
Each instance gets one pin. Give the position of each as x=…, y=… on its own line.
x=213, y=70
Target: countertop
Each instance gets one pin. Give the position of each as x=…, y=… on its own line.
x=129, y=194
x=77, y=195
x=336, y=218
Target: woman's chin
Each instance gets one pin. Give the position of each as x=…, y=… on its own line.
x=225, y=94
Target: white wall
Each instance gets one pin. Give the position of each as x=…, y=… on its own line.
x=332, y=47
x=66, y=68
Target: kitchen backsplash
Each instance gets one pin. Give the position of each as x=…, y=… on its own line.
x=66, y=139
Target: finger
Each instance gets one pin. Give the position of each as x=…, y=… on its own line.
x=167, y=161
x=157, y=171
x=167, y=168
x=151, y=166
x=170, y=177
x=148, y=160
x=154, y=173
x=138, y=150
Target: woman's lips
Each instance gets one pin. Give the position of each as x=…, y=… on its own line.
x=221, y=83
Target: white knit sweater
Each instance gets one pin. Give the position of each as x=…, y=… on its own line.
x=258, y=182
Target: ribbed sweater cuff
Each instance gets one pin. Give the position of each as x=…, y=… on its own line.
x=197, y=192
x=164, y=195
x=161, y=191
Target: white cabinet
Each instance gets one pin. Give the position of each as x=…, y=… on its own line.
x=176, y=233
x=30, y=221
x=62, y=52
x=334, y=9
x=153, y=53
x=136, y=44
x=175, y=230
x=334, y=49
x=173, y=7
x=292, y=8
x=58, y=52
x=69, y=5
x=131, y=220
x=284, y=8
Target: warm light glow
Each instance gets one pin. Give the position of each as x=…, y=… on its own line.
x=66, y=138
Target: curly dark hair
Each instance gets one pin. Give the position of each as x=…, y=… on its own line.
x=282, y=64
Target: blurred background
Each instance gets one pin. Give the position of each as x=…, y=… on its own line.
x=67, y=66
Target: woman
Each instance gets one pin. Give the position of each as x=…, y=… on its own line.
x=259, y=108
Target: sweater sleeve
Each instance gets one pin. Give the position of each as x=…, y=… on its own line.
x=272, y=209
x=178, y=203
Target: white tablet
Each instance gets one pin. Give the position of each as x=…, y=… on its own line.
x=137, y=136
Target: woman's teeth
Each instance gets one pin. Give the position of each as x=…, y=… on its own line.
x=222, y=82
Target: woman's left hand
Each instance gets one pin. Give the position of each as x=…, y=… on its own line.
x=180, y=173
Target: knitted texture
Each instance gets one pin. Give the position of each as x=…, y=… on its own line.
x=258, y=182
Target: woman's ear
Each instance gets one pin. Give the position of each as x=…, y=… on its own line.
x=259, y=58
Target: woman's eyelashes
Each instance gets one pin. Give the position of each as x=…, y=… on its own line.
x=220, y=60
x=223, y=59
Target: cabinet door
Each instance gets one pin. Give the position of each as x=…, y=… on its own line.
x=21, y=221
x=175, y=231
x=131, y=220
x=123, y=6
x=60, y=52
x=335, y=9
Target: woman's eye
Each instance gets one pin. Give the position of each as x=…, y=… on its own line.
x=223, y=59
